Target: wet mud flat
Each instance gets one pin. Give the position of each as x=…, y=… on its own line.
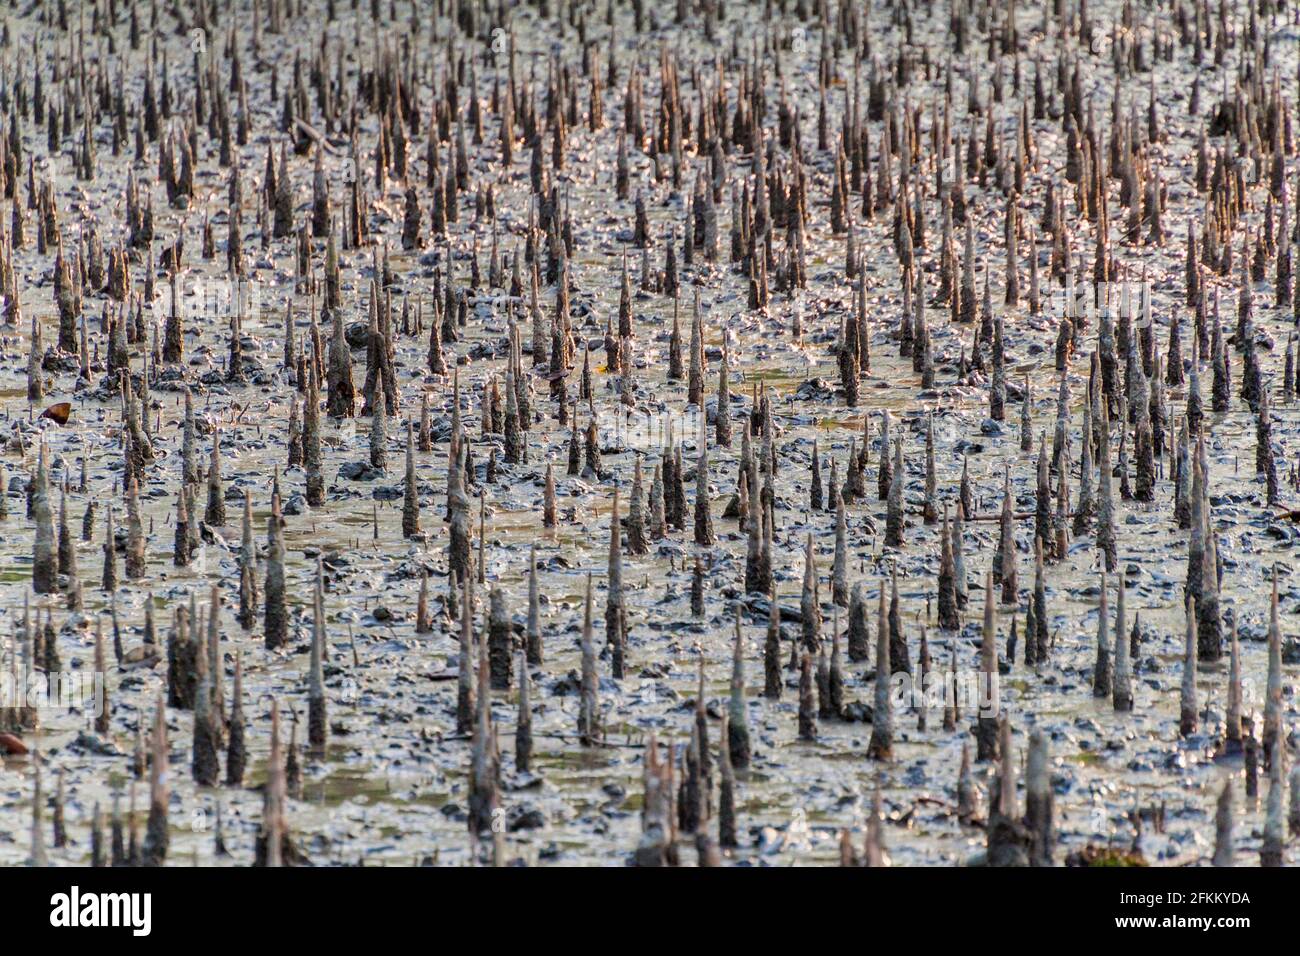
x=397, y=775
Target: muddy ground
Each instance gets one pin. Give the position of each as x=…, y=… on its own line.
x=391, y=787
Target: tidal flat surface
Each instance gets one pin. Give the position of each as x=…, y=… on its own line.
x=922, y=100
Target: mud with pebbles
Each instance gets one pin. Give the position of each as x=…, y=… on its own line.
x=189, y=185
